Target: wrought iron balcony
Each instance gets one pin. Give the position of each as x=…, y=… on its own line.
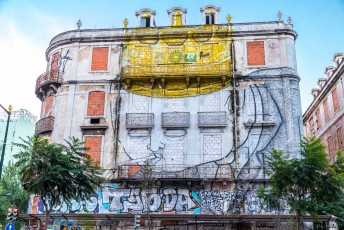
x=207, y=172
x=45, y=125
x=47, y=78
x=212, y=119
x=175, y=120
x=139, y=120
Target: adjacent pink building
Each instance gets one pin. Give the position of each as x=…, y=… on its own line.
x=325, y=116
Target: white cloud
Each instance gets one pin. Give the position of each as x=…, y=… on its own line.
x=22, y=52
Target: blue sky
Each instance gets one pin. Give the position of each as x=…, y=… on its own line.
x=26, y=28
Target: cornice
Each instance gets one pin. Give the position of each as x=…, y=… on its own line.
x=338, y=72
x=120, y=34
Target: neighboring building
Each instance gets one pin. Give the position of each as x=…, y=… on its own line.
x=170, y=95
x=325, y=116
x=22, y=124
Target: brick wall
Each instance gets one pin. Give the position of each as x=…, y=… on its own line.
x=212, y=147
x=174, y=105
x=211, y=102
x=255, y=53
x=335, y=100
x=94, y=143
x=139, y=104
x=100, y=58
x=48, y=106
x=96, y=103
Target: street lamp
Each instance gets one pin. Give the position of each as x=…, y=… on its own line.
x=5, y=139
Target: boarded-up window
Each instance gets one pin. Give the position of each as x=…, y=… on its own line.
x=311, y=126
x=318, y=121
x=94, y=145
x=96, y=101
x=327, y=116
x=54, y=66
x=100, y=58
x=340, y=137
x=255, y=53
x=55, y=61
x=335, y=100
x=48, y=106
x=330, y=146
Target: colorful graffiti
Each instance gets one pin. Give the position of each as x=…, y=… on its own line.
x=114, y=199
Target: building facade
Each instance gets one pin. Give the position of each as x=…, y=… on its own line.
x=202, y=104
x=324, y=117
x=22, y=124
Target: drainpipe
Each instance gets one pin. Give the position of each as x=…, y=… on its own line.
x=235, y=121
x=118, y=105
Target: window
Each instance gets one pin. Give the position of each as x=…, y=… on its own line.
x=255, y=53
x=209, y=18
x=330, y=146
x=311, y=126
x=340, y=137
x=145, y=20
x=55, y=61
x=54, y=66
x=94, y=145
x=318, y=121
x=327, y=116
x=96, y=102
x=100, y=59
x=335, y=100
x=48, y=106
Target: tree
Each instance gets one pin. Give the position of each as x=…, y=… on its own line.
x=13, y=195
x=303, y=183
x=147, y=183
x=57, y=173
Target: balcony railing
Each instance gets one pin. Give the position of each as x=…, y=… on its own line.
x=52, y=76
x=176, y=172
x=172, y=71
x=212, y=119
x=139, y=120
x=44, y=125
x=175, y=120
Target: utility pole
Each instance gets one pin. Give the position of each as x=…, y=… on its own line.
x=5, y=139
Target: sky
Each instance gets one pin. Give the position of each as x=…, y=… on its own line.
x=27, y=26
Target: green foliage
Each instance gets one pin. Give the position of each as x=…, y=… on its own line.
x=306, y=182
x=147, y=174
x=18, y=198
x=57, y=172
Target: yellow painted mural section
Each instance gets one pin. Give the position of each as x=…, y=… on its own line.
x=177, y=61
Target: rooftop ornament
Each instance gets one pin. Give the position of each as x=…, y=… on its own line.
x=229, y=18
x=290, y=21
x=125, y=23
x=279, y=16
x=79, y=24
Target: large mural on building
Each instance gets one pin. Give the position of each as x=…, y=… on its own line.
x=177, y=61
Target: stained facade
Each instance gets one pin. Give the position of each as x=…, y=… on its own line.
x=203, y=104
x=324, y=117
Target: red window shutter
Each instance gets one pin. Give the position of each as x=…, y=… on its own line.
x=340, y=137
x=318, y=121
x=330, y=145
x=96, y=101
x=327, y=116
x=335, y=100
x=255, y=53
x=311, y=124
x=94, y=145
x=100, y=58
